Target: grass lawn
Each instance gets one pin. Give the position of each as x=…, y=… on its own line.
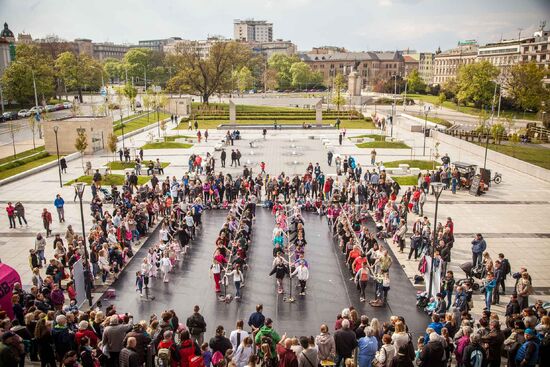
x=344, y=124
x=405, y=180
x=167, y=145
x=119, y=166
x=23, y=154
x=376, y=137
x=534, y=155
x=36, y=163
x=472, y=110
x=423, y=165
x=108, y=180
x=174, y=137
x=139, y=123
x=384, y=145
x=435, y=120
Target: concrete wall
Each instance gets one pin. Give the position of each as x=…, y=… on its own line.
x=180, y=106
x=95, y=127
x=493, y=156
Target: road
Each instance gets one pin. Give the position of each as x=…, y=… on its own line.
x=328, y=290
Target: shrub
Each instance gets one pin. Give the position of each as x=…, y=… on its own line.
x=20, y=162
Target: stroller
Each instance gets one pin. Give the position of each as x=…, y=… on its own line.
x=107, y=197
x=472, y=272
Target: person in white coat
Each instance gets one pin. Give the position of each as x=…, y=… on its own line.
x=165, y=267
x=302, y=274
x=243, y=353
x=238, y=335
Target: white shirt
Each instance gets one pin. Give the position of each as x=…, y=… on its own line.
x=233, y=338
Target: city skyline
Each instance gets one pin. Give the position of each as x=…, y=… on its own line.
x=423, y=25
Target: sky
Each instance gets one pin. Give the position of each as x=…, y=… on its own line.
x=357, y=25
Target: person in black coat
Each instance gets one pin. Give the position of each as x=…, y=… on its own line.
x=220, y=343
x=432, y=354
x=63, y=164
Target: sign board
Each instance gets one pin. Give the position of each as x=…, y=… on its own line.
x=103, y=91
x=8, y=276
x=157, y=89
x=474, y=186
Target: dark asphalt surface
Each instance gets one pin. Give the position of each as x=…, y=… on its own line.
x=328, y=290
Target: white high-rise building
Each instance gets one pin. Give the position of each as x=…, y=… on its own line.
x=251, y=30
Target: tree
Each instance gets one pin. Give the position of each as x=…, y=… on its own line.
x=33, y=125
x=302, y=76
x=524, y=85
x=112, y=141
x=130, y=92
x=282, y=63
x=14, y=128
x=114, y=69
x=206, y=76
x=78, y=71
x=81, y=143
x=269, y=79
x=339, y=83
x=415, y=84
x=450, y=88
x=17, y=80
x=244, y=79
x=476, y=83
x=139, y=63
x=497, y=131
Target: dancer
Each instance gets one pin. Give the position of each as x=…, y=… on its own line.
x=165, y=267
x=238, y=279
x=280, y=269
x=303, y=275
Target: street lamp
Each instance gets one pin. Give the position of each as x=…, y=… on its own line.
x=122, y=127
x=79, y=191
x=55, y=130
x=158, y=121
x=437, y=188
x=426, y=111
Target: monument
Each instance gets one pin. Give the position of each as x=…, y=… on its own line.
x=232, y=113
x=319, y=112
x=355, y=84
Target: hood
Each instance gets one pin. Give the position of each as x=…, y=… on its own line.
x=323, y=338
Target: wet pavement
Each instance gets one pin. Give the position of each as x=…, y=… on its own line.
x=328, y=289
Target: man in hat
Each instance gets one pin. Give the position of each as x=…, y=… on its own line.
x=528, y=353
x=11, y=349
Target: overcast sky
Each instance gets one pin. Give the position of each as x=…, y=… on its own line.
x=355, y=24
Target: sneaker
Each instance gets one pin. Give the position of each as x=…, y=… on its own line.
x=361, y=299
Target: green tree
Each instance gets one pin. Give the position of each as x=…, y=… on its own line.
x=206, y=76
x=129, y=92
x=524, y=86
x=114, y=69
x=301, y=75
x=244, y=79
x=415, y=83
x=81, y=143
x=112, y=141
x=339, y=83
x=78, y=71
x=17, y=80
x=282, y=63
x=497, y=131
x=139, y=63
x=476, y=83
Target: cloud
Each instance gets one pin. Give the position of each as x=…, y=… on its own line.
x=385, y=3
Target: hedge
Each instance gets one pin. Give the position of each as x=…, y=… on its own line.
x=20, y=162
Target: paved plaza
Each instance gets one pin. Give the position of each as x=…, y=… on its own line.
x=511, y=216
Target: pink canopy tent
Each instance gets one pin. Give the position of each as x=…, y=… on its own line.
x=8, y=277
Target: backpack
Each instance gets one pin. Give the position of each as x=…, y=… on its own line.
x=506, y=269
x=164, y=357
x=545, y=339
x=267, y=339
x=196, y=361
x=476, y=358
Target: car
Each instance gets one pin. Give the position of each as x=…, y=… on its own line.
x=59, y=107
x=40, y=109
x=67, y=105
x=50, y=108
x=24, y=113
x=11, y=115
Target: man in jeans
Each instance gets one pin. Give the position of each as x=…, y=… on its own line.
x=59, y=204
x=196, y=325
x=47, y=221
x=478, y=247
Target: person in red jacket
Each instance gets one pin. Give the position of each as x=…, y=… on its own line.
x=187, y=349
x=84, y=330
x=47, y=220
x=10, y=209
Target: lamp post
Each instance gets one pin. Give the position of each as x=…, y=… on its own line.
x=437, y=188
x=55, y=130
x=122, y=127
x=426, y=111
x=158, y=121
x=79, y=191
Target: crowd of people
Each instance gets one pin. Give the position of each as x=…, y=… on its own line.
x=45, y=327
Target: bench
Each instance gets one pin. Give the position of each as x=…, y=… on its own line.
x=404, y=166
x=414, y=171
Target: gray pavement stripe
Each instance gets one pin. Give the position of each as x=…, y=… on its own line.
x=485, y=202
x=504, y=235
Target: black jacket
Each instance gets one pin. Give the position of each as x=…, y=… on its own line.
x=196, y=324
x=432, y=355
x=345, y=341
x=220, y=344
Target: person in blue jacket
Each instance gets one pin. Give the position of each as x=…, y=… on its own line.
x=478, y=247
x=367, y=346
